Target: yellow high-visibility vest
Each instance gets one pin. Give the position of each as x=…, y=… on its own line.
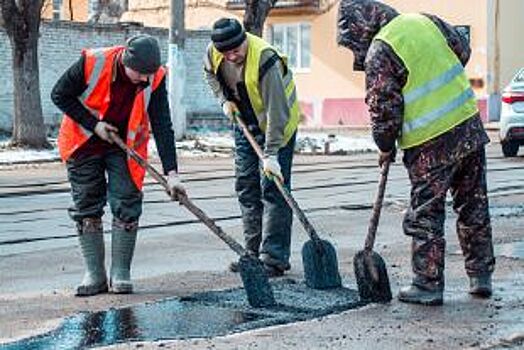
x=437, y=94
x=256, y=46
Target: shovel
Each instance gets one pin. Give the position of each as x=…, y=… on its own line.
x=370, y=269
x=319, y=257
x=256, y=283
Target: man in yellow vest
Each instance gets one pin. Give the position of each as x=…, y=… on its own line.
x=420, y=98
x=119, y=89
x=249, y=76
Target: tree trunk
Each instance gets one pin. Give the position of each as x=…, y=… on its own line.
x=28, y=123
x=22, y=25
x=255, y=15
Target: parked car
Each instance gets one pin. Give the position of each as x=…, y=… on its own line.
x=512, y=116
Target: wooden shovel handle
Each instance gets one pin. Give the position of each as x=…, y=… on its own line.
x=184, y=200
x=285, y=193
x=377, y=207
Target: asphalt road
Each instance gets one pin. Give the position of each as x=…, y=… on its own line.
x=177, y=256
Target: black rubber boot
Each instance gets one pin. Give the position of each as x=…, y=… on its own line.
x=480, y=286
x=416, y=295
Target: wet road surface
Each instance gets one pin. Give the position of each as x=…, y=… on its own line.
x=177, y=257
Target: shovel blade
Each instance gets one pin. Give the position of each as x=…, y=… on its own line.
x=372, y=277
x=320, y=265
x=256, y=283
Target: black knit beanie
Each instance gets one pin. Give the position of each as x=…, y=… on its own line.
x=227, y=34
x=142, y=54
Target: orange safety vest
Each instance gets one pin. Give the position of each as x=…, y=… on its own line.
x=98, y=73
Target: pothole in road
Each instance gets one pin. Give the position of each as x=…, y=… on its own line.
x=206, y=314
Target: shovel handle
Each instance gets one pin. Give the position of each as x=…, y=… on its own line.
x=184, y=200
x=377, y=207
x=285, y=193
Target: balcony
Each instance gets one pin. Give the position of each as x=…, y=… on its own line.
x=284, y=6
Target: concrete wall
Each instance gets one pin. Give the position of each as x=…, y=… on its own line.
x=60, y=45
x=505, y=54
x=511, y=50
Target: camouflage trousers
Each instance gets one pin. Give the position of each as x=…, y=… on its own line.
x=266, y=216
x=424, y=220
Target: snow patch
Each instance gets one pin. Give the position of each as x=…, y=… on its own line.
x=209, y=145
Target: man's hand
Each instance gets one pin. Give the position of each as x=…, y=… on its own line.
x=176, y=188
x=230, y=109
x=383, y=156
x=272, y=167
x=102, y=130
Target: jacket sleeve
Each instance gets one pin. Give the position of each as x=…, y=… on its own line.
x=211, y=78
x=273, y=94
x=65, y=95
x=160, y=119
x=386, y=75
x=455, y=40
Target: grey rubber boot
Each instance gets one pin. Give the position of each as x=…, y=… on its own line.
x=480, y=286
x=123, y=239
x=416, y=295
x=91, y=241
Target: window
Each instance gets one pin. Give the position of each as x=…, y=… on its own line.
x=56, y=9
x=294, y=40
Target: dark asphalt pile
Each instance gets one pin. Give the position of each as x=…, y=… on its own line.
x=207, y=314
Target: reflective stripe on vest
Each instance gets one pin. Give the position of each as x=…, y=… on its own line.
x=256, y=46
x=98, y=70
x=437, y=95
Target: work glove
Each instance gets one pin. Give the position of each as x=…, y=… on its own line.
x=383, y=156
x=271, y=167
x=230, y=110
x=102, y=130
x=176, y=188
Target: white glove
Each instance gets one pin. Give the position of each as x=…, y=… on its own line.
x=230, y=109
x=102, y=130
x=271, y=167
x=176, y=188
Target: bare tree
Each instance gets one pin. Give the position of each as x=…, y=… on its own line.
x=22, y=25
x=256, y=13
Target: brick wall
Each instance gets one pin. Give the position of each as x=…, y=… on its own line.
x=60, y=45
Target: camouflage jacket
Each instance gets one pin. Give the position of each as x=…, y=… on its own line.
x=358, y=22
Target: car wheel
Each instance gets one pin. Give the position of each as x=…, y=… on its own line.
x=510, y=148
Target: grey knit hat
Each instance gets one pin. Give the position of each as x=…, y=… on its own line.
x=227, y=34
x=142, y=54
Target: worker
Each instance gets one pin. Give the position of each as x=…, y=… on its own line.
x=419, y=97
x=119, y=90
x=250, y=77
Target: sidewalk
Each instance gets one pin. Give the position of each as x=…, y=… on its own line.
x=214, y=145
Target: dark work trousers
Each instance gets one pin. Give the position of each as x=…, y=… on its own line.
x=424, y=220
x=266, y=216
x=91, y=189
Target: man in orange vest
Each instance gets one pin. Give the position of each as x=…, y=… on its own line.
x=121, y=90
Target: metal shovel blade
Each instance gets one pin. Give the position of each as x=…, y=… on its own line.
x=320, y=265
x=372, y=277
x=256, y=283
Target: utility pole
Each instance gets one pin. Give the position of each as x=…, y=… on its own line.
x=493, y=77
x=177, y=68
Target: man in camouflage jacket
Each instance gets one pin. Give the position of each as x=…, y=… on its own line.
x=453, y=160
